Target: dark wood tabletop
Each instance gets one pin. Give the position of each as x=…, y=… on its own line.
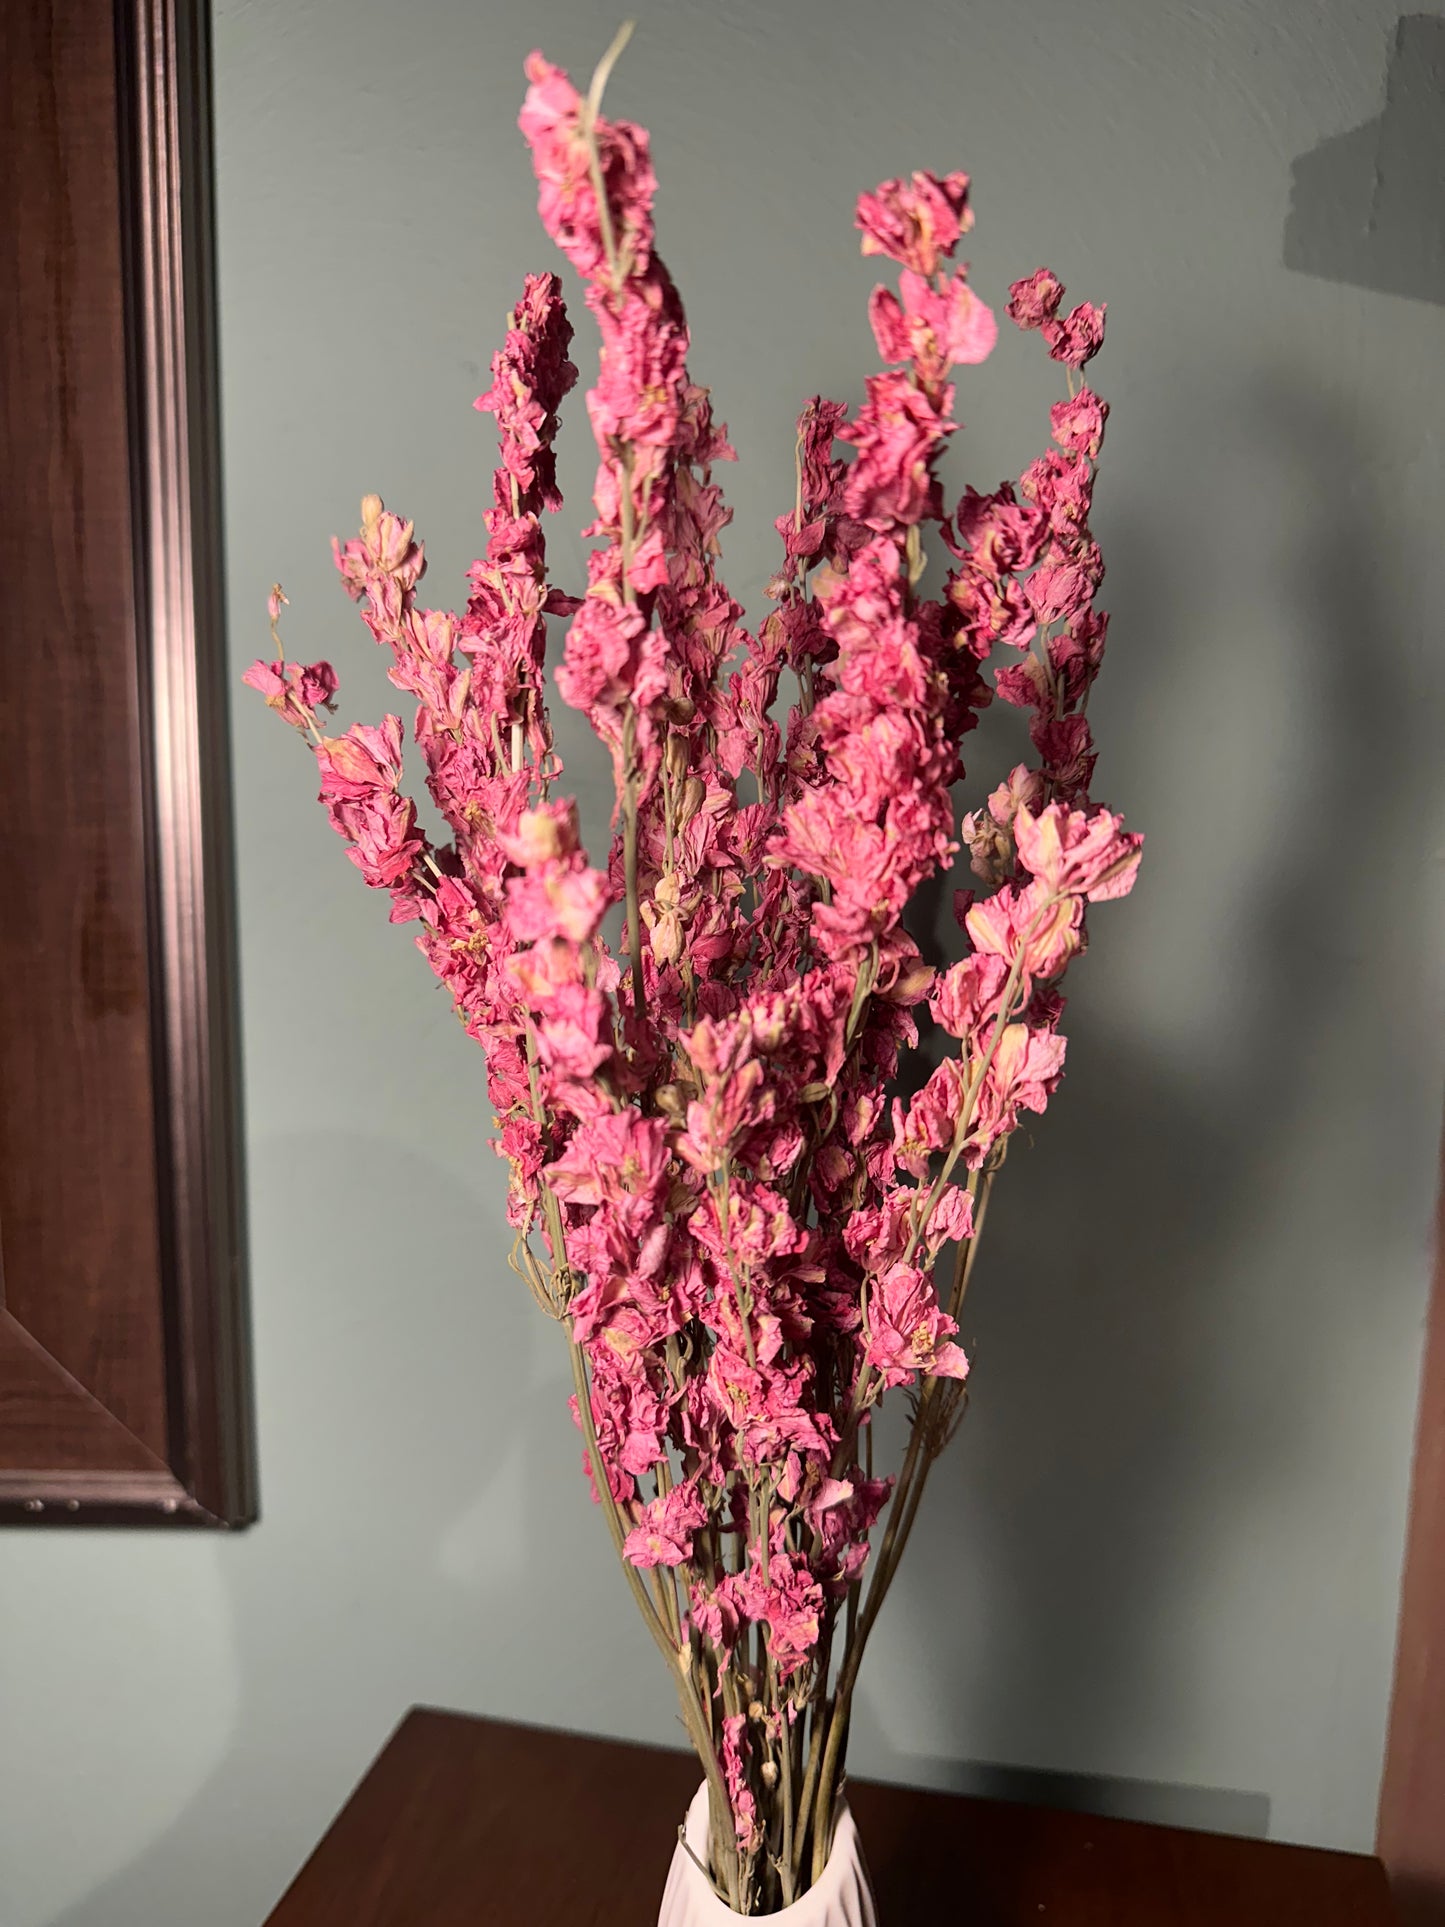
x=466, y=1822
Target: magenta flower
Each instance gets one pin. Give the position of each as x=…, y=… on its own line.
x=1078, y=423
x=571, y=214
x=292, y=691
x=664, y=1532
x=934, y=328
x=1078, y=852
x=1078, y=337
x=1035, y=300
x=907, y=1331
x=917, y=222
x=898, y=434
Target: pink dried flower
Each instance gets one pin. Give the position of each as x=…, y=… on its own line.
x=735, y=1756
x=897, y=433
x=293, y=691
x=1078, y=423
x=551, y=120
x=908, y=1333
x=1078, y=337
x=1035, y=300
x=936, y=328
x=1082, y=853
x=663, y=1534
x=917, y=222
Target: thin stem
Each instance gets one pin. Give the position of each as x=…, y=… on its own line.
x=856, y=1409
x=629, y=857
x=823, y=1804
x=968, y=1247
x=818, y=1724
x=610, y=1513
x=587, y=120
x=691, y=1712
x=669, y=810
x=1006, y=1012
x=605, y=65
x=785, y=1871
x=924, y=1444
x=741, y=1290
x=678, y=1657
x=627, y=530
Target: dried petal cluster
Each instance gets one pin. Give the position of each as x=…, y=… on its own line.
x=713, y=1184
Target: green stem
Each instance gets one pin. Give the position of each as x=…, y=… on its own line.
x=818, y=1714
x=823, y=1804
x=785, y=1735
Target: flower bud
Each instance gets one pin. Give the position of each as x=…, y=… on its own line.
x=671, y=1101
x=694, y=794
x=677, y=759
x=667, y=937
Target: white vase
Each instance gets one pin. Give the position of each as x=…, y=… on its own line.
x=842, y=1898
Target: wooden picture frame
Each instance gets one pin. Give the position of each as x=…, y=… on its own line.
x=124, y=1394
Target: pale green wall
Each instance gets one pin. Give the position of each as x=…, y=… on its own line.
x=1163, y=1559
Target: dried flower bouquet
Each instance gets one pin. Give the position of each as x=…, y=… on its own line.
x=740, y=1230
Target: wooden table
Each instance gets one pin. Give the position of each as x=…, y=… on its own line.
x=468, y=1822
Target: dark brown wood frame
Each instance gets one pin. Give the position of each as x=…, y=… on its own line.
x=124, y=1393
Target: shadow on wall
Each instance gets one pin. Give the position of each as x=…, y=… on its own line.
x=1368, y=207
x=1132, y=1415
x=394, y=1562
x=1157, y=1803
